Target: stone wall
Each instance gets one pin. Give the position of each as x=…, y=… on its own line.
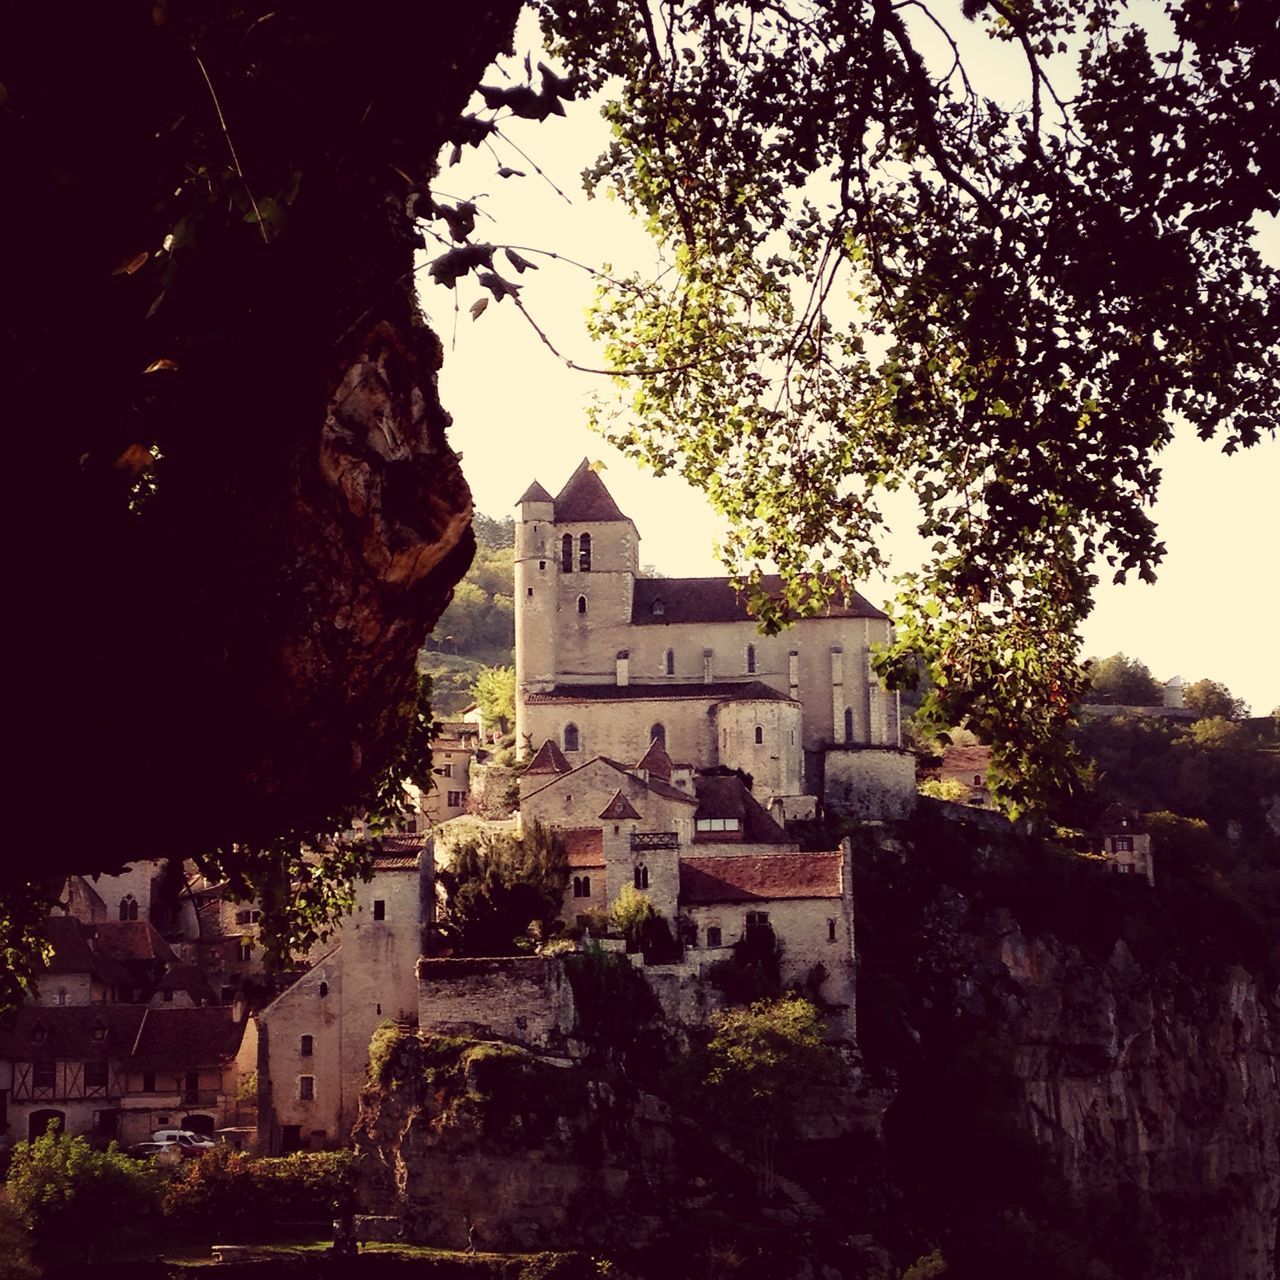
x=523, y=999
x=870, y=783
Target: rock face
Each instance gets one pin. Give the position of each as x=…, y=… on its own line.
x=1160, y=1092
x=514, y=1151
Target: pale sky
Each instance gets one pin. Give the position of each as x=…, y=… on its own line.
x=519, y=415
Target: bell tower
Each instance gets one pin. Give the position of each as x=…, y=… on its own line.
x=536, y=570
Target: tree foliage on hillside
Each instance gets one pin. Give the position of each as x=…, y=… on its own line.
x=494, y=692
x=1208, y=698
x=1124, y=682
x=880, y=272
x=499, y=889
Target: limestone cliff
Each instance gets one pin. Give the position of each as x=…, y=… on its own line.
x=1065, y=1075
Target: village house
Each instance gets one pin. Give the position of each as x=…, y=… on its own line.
x=313, y=1047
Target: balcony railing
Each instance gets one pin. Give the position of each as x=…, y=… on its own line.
x=654, y=840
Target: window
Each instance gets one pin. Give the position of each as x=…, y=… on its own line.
x=98, y=1032
x=848, y=724
x=244, y=951
x=658, y=734
x=148, y=1082
x=242, y=917
x=529, y=592
x=379, y=909
x=306, y=1088
x=657, y=608
x=454, y=799
x=168, y=995
x=713, y=935
x=566, y=553
x=1122, y=844
x=689, y=932
x=641, y=876
x=571, y=737
x=582, y=886
x=757, y=918
x=831, y=930
x=43, y=1075
x=718, y=824
x=62, y=995
x=669, y=662
x=542, y=564
x=324, y=990
x=306, y=1046
x=445, y=771
x=759, y=735
x=128, y=907
x=584, y=553
x=751, y=659
x=95, y=1075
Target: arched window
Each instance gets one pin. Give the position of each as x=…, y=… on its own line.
x=324, y=990
x=566, y=553
x=582, y=604
x=658, y=734
x=759, y=735
x=641, y=876
x=582, y=886
x=128, y=907
x=669, y=662
x=848, y=724
x=571, y=737
x=751, y=659
x=584, y=553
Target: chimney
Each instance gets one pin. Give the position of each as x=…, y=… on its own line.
x=623, y=668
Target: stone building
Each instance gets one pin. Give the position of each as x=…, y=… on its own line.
x=608, y=661
x=313, y=1047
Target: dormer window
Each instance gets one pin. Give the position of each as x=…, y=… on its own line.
x=657, y=608
x=98, y=1032
x=584, y=553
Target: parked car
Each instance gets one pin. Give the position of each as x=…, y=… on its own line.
x=167, y=1151
x=184, y=1137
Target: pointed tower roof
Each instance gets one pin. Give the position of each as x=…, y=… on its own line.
x=534, y=493
x=586, y=498
x=656, y=762
x=619, y=807
x=549, y=759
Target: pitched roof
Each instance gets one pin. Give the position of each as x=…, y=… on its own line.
x=584, y=497
x=534, y=493
x=619, y=807
x=189, y=978
x=728, y=797
x=131, y=940
x=584, y=845
x=549, y=759
x=672, y=691
x=655, y=785
x=183, y=1039
x=72, y=952
x=716, y=600
x=759, y=877
x=69, y=1032
x=656, y=761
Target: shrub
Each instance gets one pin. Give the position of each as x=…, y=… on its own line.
x=951, y=789
x=69, y=1196
x=386, y=1039
x=630, y=913
x=228, y=1189
x=15, y=1246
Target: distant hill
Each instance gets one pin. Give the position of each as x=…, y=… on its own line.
x=478, y=628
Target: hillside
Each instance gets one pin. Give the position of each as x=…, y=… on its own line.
x=477, y=629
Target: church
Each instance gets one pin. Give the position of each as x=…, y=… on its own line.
x=608, y=662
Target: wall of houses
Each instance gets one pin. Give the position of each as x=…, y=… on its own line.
x=575, y=799
x=524, y=999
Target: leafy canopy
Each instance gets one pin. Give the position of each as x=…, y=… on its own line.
x=1121, y=681
x=880, y=273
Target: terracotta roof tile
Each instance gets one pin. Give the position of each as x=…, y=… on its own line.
x=656, y=761
x=549, y=759
x=619, y=807
x=672, y=691
x=131, y=940
x=716, y=600
x=759, y=877
x=585, y=498
x=584, y=845
x=183, y=1039
x=69, y=1032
